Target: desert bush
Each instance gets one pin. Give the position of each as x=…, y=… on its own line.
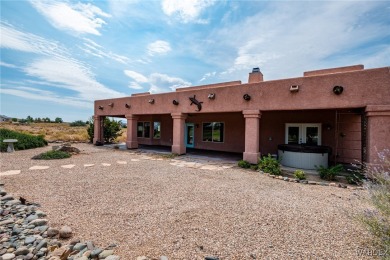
x=78, y=123
x=244, y=164
x=25, y=141
x=269, y=165
x=377, y=221
x=300, y=175
x=329, y=174
x=111, y=130
x=52, y=155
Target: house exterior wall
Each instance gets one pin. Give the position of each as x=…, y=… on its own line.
x=314, y=102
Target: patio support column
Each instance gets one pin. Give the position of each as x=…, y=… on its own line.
x=132, y=141
x=252, y=135
x=98, y=129
x=378, y=131
x=178, y=145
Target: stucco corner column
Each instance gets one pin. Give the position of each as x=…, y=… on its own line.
x=98, y=130
x=178, y=144
x=132, y=141
x=378, y=130
x=252, y=135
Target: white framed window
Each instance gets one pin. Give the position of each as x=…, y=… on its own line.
x=213, y=132
x=309, y=134
x=143, y=129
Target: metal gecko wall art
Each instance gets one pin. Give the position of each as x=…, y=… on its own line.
x=196, y=102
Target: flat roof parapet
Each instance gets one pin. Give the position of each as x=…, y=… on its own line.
x=333, y=70
x=223, y=84
x=140, y=94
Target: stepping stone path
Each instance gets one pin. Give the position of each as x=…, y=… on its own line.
x=68, y=166
x=39, y=167
x=121, y=162
x=11, y=172
x=25, y=234
x=89, y=165
x=106, y=164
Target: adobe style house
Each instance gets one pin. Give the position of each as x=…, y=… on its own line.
x=333, y=115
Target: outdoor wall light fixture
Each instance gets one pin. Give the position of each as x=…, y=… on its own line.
x=338, y=90
x=246, y=97
x=111, y=104
x=294, y=88
x=211, y=96
x=127, y=105
x=175, y=102
x=151, y=101
x=101, y=107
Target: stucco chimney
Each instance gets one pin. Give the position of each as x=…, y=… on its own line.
x=255, y=76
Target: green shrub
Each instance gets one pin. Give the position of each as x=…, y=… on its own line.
x=355, y=178
x=25, y=141
x=78, y=123
x=52, y=155
x=269, y=165
x=244, y=164
x=254, y=167
x=111, y=130
x=300, y=175
x=377, y=221
x=329, y=173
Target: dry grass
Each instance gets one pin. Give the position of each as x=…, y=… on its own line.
x=51, y=131
x=58, y=131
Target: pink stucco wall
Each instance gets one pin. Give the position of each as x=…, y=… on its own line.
x=314, y=102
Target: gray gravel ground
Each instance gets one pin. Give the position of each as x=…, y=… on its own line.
x=152, y=208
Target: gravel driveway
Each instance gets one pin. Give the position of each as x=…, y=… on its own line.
x=151, y=207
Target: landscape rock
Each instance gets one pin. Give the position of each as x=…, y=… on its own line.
x=105, y=253
x=8, y=256
x=38, y=222
x=65, y=232
x=22, y=251
x=112, y=257
x=52, y=232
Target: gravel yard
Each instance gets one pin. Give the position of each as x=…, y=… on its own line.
x=152, y=208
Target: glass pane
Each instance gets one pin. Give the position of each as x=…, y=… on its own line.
x=207, y=132
x=140, y=129
x=217, y=132
x=156, y=130
x=312, y=135
x=190, y=134
x=293, y=135
x=147, y=129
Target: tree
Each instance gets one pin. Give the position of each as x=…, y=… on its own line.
x=29, y=119
x=46, y=120
x=111, y=129
x=58, y=120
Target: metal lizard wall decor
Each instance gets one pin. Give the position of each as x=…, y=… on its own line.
x=196, y=102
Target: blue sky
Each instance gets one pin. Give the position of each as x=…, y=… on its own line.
x=57, y=57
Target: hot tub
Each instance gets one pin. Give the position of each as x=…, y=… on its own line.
x=303, y=156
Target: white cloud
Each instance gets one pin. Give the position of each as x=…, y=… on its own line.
x=159, y=48
x=135, y=85
x=186, y=11
x=97, y=50
x=80, y=18
x=138, y=77
x=37, y=94
x=8, y=65
x=164, y=83
x=299, y=37
x=70, y=74
x=121, y=8
x=208, y=75
x=12, y=38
